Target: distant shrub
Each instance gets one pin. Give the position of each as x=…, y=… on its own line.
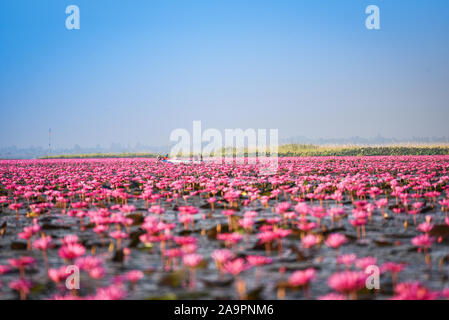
x=312, y=150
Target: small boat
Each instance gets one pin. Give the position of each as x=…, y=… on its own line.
x=184, y=161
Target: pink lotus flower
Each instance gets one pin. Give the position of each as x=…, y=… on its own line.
x=258, y=260
x=307, y=226
x=413, y=291
x=250, y=214
x=332, y=296
x=70, y=239
x=348, y=282
x=97, y=273
x=186, y=219
x=246, y=223
x=58, y=275
x=66, y=297
x=156, y=210
x=99, y=229
x=4, y=269
x=189, y=248
x=335, y=240
x=230, y=238
x=425, y=227
x=88, y=263
x=212, y=200
x=423, y=241
x=236, y=266
x=228, y=212
x=302, y=208
x=118, y=235
x=381, y=203
x=128, y=208
x=15, y=206
x=346, y=259
x=188, y=210
x=185, y=240
x=393, y=267
x=336, y=212
x=192, y=260
x=72, y=251
x=302, y=278
x=282, y=207
x=266, y=236
x=172, y=253
x=310, y=240
x=364, y=263
x=21, y=262
x=222, y=255
x=43, y=243
x=134, y=276
x=113, y=292
x=22, y=286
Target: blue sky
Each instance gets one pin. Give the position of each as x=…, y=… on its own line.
x=138, y=69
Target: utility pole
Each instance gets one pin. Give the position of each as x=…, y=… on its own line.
x=49, y=140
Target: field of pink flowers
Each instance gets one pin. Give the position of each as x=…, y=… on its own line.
x=142, y=229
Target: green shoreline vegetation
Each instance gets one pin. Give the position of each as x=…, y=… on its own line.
x=296, y=150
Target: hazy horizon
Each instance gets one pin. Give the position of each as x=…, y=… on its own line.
x=320, y=141
x=136, y=70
